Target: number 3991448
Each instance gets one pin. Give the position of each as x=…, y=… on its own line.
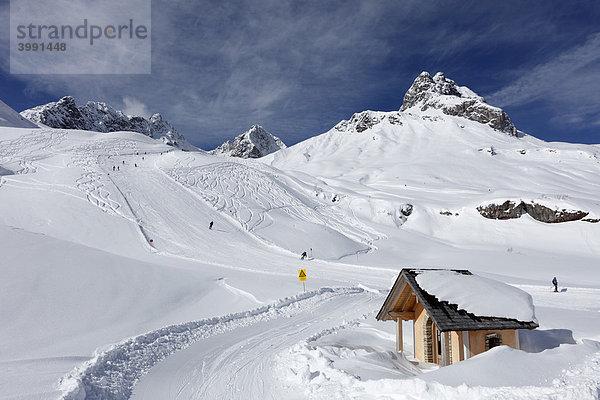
x=42, y=46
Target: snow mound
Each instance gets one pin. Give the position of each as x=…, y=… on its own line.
x=477, y=295
x=11, y=118
x=256, y=142
x=337, y=364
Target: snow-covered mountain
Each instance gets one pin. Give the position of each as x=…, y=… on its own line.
x=427, y=97
x=443, y=94
x=256, y=142
x=11, y=118
x=101, y=117
x=440, y=136
x=113, y=286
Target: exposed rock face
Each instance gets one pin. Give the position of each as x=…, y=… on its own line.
x=507, y=210
x=254, y=143
x=592, y=220
x=510, y=209
x=407, y=209
x=545, y=214
x=100, y=117
x=443, y=94
x=362, y=121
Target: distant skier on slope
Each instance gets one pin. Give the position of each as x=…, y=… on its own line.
x=555, y=283
x=210, y=225
x=303, y=255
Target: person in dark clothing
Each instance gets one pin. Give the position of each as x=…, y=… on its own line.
x=210, y=225
x=555, y=283
x=303, y=255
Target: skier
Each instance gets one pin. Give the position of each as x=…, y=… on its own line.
x=210, y=225
x=303, y=255
x=555, y=283
x=113, y=167
x=118, y=169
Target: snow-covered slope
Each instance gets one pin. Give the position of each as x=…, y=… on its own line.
x=100, y=117
x=450, y=168
x=9, y=117
x=113, y=286
x=256, y=142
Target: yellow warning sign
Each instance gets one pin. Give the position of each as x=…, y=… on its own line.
x=302, y=274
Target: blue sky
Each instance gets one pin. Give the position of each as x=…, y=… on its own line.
x=298, y=68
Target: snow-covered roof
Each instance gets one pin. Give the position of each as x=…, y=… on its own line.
x=477, y=295
x=457, y=300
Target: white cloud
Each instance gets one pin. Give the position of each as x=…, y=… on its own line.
x=132, y=106
x=562, y=80
x=298, y=68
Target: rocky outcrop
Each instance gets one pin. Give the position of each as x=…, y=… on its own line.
x=507, y=210
x=545, y=214
x=100, y=117
x=441, y=93
x=360, y=122
x=254, y=143
x=364, y=121
x=407, y=209
x=510, y=210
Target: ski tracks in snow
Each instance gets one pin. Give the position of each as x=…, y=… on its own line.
x=249, y=194
x=21, y=153
x=113, y=372
x=88, y=157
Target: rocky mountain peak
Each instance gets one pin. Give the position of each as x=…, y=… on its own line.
x=256, y=142
x=67, y=101
x=100, y=117
x=156, y=118
x=441, y=93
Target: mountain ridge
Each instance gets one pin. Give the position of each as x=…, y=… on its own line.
x=100, y=117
